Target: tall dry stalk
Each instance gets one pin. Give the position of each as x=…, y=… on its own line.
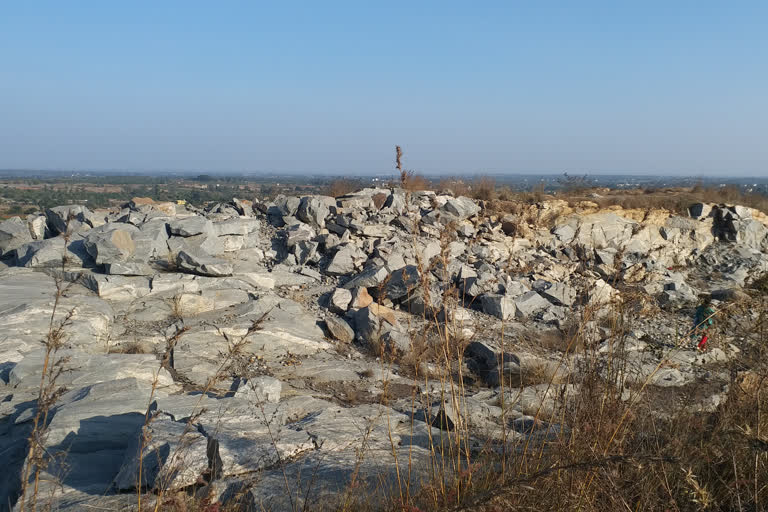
x=38, y=457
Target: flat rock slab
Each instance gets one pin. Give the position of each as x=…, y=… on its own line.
x=204, y=265
x=26, y=303
x=85, y=369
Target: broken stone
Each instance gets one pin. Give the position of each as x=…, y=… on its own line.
x=339, y=329
x=203, y=265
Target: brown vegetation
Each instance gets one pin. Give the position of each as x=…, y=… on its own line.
x=342, y=187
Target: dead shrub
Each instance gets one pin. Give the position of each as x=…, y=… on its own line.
x=416, y=183
x=456, y=186
x=342, y=187
x=484, y=188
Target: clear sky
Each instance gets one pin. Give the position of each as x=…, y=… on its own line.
x=678, y=87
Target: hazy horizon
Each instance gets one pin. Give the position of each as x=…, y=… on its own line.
x=498, y=88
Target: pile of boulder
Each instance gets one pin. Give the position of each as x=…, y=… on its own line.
x=252, y=340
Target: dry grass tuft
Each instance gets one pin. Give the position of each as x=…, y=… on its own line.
x=342, y=187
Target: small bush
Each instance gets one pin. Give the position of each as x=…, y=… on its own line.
x=484, y=188
x=342, y=187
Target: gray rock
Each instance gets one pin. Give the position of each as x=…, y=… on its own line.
x=564, y=233
x=151, y=240
x=751, y=233
x=241, y=227
x=372, y=322
x=597, y=231
x=14, y=233
x=129, y=268
x=314, y=210
x=395, y=340
x=339, y=329
x=306, y=252
x=606, y=256
x=90, y=429
x=50, y=252
x=500, y=306
x=370, y=278
x=203, y=265
x=423, y=301
x=74, y=216
x=461, y=207
x=299, y=233
x=260, y=390
x=174, y=455
x=559, y=294
x=340, y=299
x=287, y=206
x=529, y=303
x=345, y=261
x=38, y=226
x=485, y=282
x=396, y=202
x=115, y=243
x=401, y=283
x=118, y=287
x=375, y=231
x=191, y=226
x=669, y=377
x=486, y=363
x=700, y=210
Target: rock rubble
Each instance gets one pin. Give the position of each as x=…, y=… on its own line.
x=326, y=300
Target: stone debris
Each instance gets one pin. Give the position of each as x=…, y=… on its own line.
x=269, y=331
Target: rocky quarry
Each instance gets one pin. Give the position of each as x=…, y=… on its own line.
x=298, y=352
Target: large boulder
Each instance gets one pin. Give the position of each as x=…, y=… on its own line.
x=287, y=206
x=313, y=210
x=460, y=208
x=346, y=260
x=14, y=233
x=38, y=226
x=151, y=240
x=298, y=233
x=73, y=218
x=52, y=253
x=559, y=294
x=700, y=210
x=501, y=306
x=597, y=231
x=378, y=327
x=529, y=303
x=112, y=244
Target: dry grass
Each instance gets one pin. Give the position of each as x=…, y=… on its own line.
x=481, y=187
x=676, y=200
x=415, y=182
x=761, y=284
x=39, y=457
x=342, y=187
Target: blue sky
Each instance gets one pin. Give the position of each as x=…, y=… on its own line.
x=465, y=87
